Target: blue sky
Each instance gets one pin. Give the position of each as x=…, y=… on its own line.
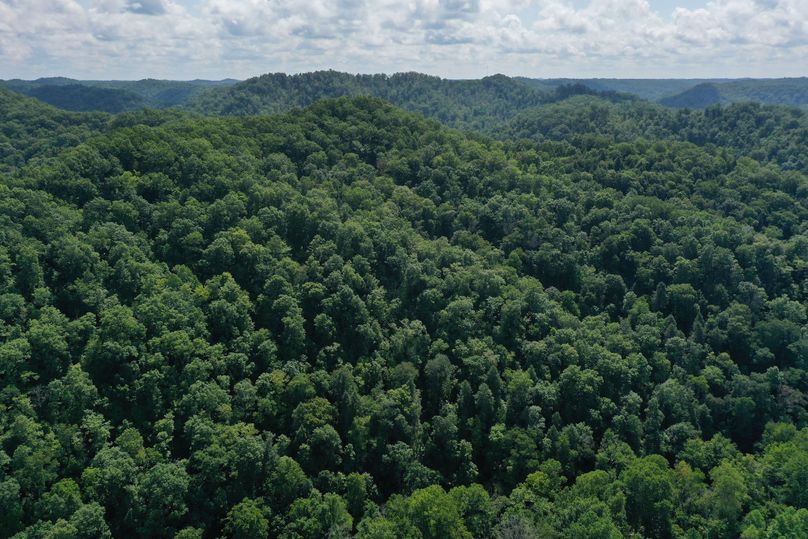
x=183, y=39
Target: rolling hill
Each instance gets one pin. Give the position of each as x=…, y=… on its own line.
x=111, y=96
x=791, y=92
x=474, y=104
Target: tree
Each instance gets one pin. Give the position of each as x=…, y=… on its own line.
x=160, y=500
x=649, y=495
x=435, y=514
x=10, y=507
x=246, y=520
x=476, y=508
x=61, y=501
x=89, y=522
x=286, y=483
x=319, y=515
x=357, y=490
x=729, y=495
x=228, y=309
x=107, y=482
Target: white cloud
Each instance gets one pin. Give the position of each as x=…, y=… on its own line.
x=218, y=38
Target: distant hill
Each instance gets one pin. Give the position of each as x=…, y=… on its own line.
x=698, y=97
x=792, y=92
x=483, y=103
x=459, y=103
x=764, y=133
x=694, y=93
x=111, y=96
x=650, y=89
x=478, y=104
x=31, y=129
x=81, y=98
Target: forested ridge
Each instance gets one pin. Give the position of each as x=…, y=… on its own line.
x=474, y=104
x=463, y=103
x=348, y=320
x=764, y=133
x=111, y=96
x=508, y=108
x=792, y=92
x=31, y=128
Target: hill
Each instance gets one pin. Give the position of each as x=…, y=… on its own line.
x=349, y=320
x=31, y=129
x=78, y=97
x=649, y=89
x=765, y=133
x=469, y=104
x=792, y=92
x=111, y=96
x=474, y=104
x=694, y=93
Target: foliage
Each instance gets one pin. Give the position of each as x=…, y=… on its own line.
x=351, y=320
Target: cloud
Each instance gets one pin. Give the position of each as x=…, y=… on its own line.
x=218, y=38
x=146, y=7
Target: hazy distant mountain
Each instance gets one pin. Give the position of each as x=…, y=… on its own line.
x=650, y=89
x=696, y=93
x=111, y=96
x=700, y=96
x=793, y=92
x=473, y=103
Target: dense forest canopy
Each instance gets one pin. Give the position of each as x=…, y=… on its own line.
x=348, y=320
x=31, y=128
x=766, y=134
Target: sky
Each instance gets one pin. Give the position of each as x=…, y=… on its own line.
x=215, y=39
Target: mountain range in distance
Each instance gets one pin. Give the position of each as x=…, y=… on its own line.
x=277, y=92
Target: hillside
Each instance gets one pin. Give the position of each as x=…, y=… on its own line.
x=765, y=133
x=81, y=98
x=649, y=89
x=562, y=110
x=792, y=92
x=474, y=104
x=31, y=128
x=694, y=93
x=111, y=96
x=349, y=320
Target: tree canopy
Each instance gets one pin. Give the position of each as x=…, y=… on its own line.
x=349, y=320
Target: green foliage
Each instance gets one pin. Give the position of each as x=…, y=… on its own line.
x=246, y=520
x=350, y=321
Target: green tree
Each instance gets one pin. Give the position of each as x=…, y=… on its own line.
x=246, y=520
x=649, y=495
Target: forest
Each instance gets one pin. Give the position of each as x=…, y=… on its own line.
x=474, y=311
